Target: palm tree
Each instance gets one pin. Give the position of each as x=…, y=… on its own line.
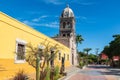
x=79, y=39
x=87, y=50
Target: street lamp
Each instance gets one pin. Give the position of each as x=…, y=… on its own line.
x=97, y=50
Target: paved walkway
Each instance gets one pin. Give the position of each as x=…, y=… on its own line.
x=70, y=71
x=93, y=72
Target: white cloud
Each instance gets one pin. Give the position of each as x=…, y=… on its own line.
x=87, y=3
x=33, y=12
x=84, y=19
x=39, y=18
x=82, y=2
x=29, y=23
x=50, y=24
x=56, y=2
x=81, y=17
x=59, y=2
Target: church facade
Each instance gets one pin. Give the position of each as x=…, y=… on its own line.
x=67, y=35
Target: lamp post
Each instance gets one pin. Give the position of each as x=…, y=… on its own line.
x=97, y=49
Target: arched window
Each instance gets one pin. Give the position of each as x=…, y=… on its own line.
x=67, y=25
x=59, y=56
x=68, y=35
x=64, y=35
x=64, y=24
x=68, y=22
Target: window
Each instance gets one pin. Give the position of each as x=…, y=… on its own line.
x=64, y=24
x=63, y=35
x=59, y=56
x=68, y=35
x=68, y=25
x=20, y=51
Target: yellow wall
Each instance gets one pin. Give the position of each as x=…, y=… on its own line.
x=8, y=69
x=10, y=30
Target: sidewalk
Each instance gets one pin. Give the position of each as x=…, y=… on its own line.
x=70, y=72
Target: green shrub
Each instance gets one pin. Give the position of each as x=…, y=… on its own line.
x=81, y=64
x=47, y=74
x=21, y=75
x=56, y=73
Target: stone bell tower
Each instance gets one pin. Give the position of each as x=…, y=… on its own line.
x=67, y=23
x=67, y=34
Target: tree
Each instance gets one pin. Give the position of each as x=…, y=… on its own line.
x=92, y=57
x=79, y=39
x=81, y=59
x=87, y=51
x=82, y=54
x=42, y=53
x=113, y=49
x=107, y=51
x=115, y=46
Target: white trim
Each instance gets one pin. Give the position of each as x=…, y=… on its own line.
x=23, y=42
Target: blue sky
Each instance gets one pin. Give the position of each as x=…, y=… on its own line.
x=96, y=20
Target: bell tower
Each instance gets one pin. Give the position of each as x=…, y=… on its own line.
x=67, y=30
x=67, y=23
x=67, y=34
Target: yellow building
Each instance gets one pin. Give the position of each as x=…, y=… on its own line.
x=14, y=35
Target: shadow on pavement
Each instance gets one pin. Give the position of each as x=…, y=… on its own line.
x=110, y=70
x=98, y=66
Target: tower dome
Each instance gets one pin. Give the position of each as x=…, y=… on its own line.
x=67, y=12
